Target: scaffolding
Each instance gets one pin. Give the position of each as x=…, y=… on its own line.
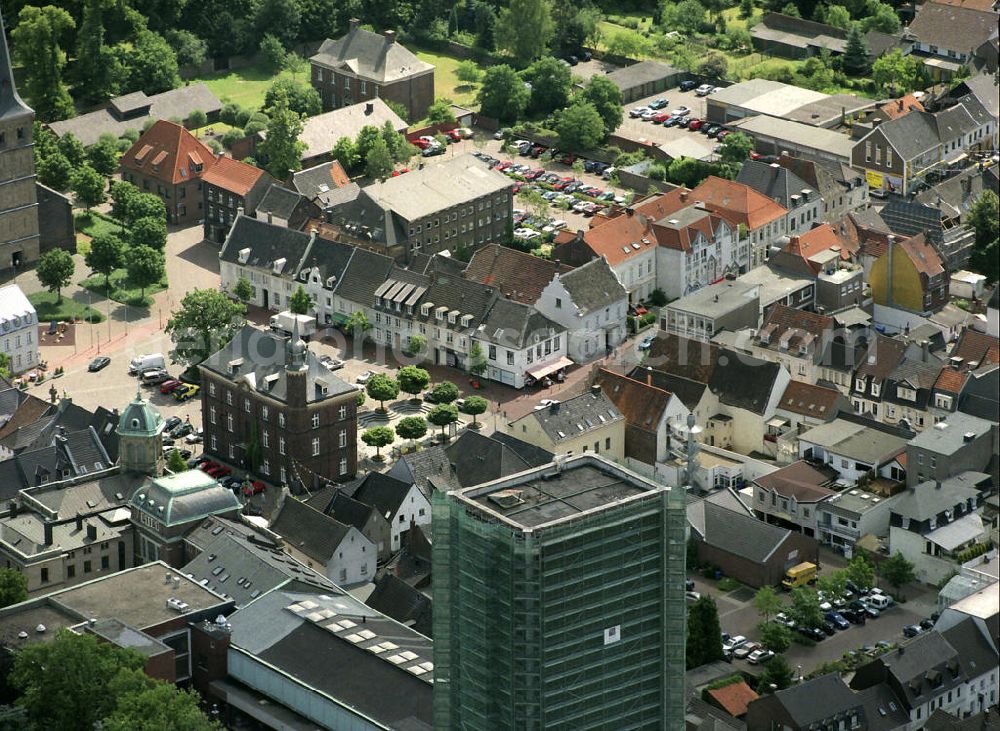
x=577, y=625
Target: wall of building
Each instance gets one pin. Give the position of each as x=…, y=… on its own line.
x=414, y=510
x=607, y=440
x=19, y=242
x=56, y=228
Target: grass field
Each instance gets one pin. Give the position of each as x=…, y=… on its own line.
x=122, y=290
x=94, y=225
x=248, y=86
x=446, y=83
x=49, y=309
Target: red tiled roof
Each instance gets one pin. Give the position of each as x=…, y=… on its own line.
x=809, y=399
x=641, y=404
x=682, y=238
x=817, y=240
x=176, y=151
x=617, y=240
x=950, y=381
x=802, y=328
x=519, y=276
x=235, y=176
x=738, y=202
x=976, y=347
x=901, y=458
x=735, y=698
x=901, y=107
x=922, y=254
x=661, y=206
x=799, y=480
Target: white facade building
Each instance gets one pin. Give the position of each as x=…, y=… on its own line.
x=18, y=329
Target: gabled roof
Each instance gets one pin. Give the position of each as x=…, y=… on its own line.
x=280, y=201
x=741, y=535
x=901, y=106
x=233, y=175
x=976, y=347
x=910, y=135
x=395, y=598
x=677, y=355
x=799, y=480
x=579, y=415
x=347, y=510
x=734, y=698
x=787, y=328
x=370, y=56
x=928, y=500
x=817, y=700
x=319, y=180
x=688, y=391
x=308, y=530
x=744, y=382
x=169, y=153
x=593, y=286
x=808, y=399
x=385, y=494
x=882, y=357
x=953, y=27
x=516, y=325
x=518, y=275
x=773, y=180
x=321, y=132
x=738, y=202
x=950, y=381
x=618, y=240
x=687, y=225
x=642, y=405
x=925, y=258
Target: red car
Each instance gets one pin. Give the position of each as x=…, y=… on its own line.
x=453, y=135
x=723, y=134
x=695, y=124
x=397, y=173
x=254, y=488
x=169, y=386
x=218, y=471
x=422, y=143
x=207, y=465
x=754, y=155
x=661, y=117
x=568, y=159
x=503, y=165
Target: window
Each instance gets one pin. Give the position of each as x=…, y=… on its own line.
x=281, y=420
x=88, y=566
x=246, y=405
x=105, y=562
x=315, y=446
x=510, y=357
x=342, y=438
x=229, y=398
x=264, y=413
x=45, y=576
x=211, y=414
x=70, y=571
x=281, y=445
x=229, y=422
x=315, y=421
x=607, y=443
x=265, y=439
x=493, y=352
x=284, y=474
x=343, y=465
x=558, y=302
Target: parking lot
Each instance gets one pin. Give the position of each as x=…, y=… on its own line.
x=676, y=138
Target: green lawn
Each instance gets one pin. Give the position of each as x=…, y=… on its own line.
x=446, y=83
x=122, y=290
x=95, y=225
x=49, y=309
x=248, y=86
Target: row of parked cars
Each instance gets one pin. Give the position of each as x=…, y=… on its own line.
x=679, y=117
x=739, y=647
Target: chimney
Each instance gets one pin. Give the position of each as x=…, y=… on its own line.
x=595, y=390
x=13, y=508
x=899, y=103
x=354, y=23
x=629, y=211
x=390, y=36
x=47, y=527
x=79, y=522
x=649, y=376
x=968, y=436
x=239, y=211
x=925, y=349
x=684, y=196
x=91, y=532
x=369, y=109
x=876, y=122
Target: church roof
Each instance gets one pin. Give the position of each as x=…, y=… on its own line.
x=140, y=419
x=11, y=104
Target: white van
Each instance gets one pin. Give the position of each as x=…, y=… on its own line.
x=879, y=601
x=142, y=363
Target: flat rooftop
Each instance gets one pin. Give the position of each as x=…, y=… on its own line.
x=551, y=493
x=857, y=501
x=717, y=299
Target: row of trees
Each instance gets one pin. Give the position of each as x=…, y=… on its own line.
x=374, y=150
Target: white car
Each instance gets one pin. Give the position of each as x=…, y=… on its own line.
x=744, y=651
x=704, y=90
x=782, y=618
x=638, y=112
x=363, y=378
x=545, y=403
x=759, y=656
x=733, y=642
x=680, y=111
x=558, y=223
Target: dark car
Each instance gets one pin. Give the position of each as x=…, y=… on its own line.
x=829, y=629
x=911, y=630
x=838, y=620
x=172, y=423
x=927, y=624
x=688, y=585
x=688, y=85
x=181, y=430
x=711, y=130
x=854, y=616
x=813, y=633
x=572, y=60
x=98, y=363
x=433, y=150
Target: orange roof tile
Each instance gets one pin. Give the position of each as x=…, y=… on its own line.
x=809, y=399
x=641, y=404
x=922, y=254
x=519, y=276
x=177, y=152
x=950, y=380
x=795, y=328
x=661, y=206
x=901, y=107
x=735, y=698
x=976, y=347
x=739, y=202
x=618, y=240
x=235, y=176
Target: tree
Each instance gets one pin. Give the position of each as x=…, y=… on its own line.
x=689, y=16
x=56, y=172
x=468, y=72
x=503, y=95
x=736, y=148
x=477, y=360
x=746, y=9
x=775, y=637
x=38, y=44
x=413, y=380
x=444, y=393
x=627, y=44
x=279, y=18
x=860, y=571
x=175, y=462
x=895, y=73
x=357, y=324
x=144, y=205
x=197, y=119
x=243, y=291
x=704, y=642
x=103, y=155
x=282, y=147
x=412, y=428
x=416, y=345
x=302, y=98
x=832, y=584
x=378, y=161
x=151, y=63
x=153, y=705
x=856, y=60
x=440, y=112
x=838, y=16
x=107, y=253
x=365, y=140
x=190, y=49
x=300, y=302
x=232, y=136
x=767, y=602
x=607, y=100
x=578, y=24
x=94, y=67
x=89, y=187
x=791, y=10
x=983, y=221
x=13, y=587
x=714, y=66
x=382, y=388
x=580, y=127
x=524, y=29
x=804, y=609
x=898, y=571
x=273, y=52
x=205, y=322
x=474, y=406
x=233, y=114
x=76, y=669
x=345, y=152
x=485, y=20
x=123, y=195
x=378, y=437
x=442, y=415
x=55, y=270
x=145, y=267
x=550, y=84
x=881, y=17
x=777, y=675
x=149, y=231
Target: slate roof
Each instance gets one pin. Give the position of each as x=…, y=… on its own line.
x=423, y=465
x=740, y=534
x=802, y=328
x=573, y=417
x=308, y=530
x=370, y=56
x=346, y=509
x=172, y=151
x=320, y=181
x=642, y=405
x=267, y=243
x=799, y=480
x=881, y=358
x=382, y=492
x=927, y=500
x=687, y=390
x=593, y=286
x=744, y=382
x=235, y=176
x=809, y=399
x=395, y=598
x=279, y=201
x=911, y=665
x=773, y=180
x=366, y=272
x=641, y=73
x=62, y=456
x=515, y=325
x=952, y=27
x=817, y=700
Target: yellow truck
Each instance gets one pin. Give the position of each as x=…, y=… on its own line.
x=799, y=575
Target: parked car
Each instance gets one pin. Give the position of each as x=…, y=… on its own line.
x=171, y=423
x=98, y=363
x=689, y=585
x=854, y=616
x=681, y=111
x=661, y=117
x=185, y=392
x=911, y=630
x=154, y=377
x=730, y=644
x=704, y=90
x=195, y=438
x=927, y=624
x=218, y=471
x=647, y=342
x=695, y=124
x=659, y=103
x=501, y=133
x=743, y=651
x=362, y=378
x=638, y=112
x=829, y=628
x=432, y=151
x=838, y=619
x=758, y=657
x=331, y=363
x=182, y=430
x=688, y=85
x=813, y=633
x=782, y=618
x=206, y=464
x=254, y=488
x=169, y=386
x=710, y=129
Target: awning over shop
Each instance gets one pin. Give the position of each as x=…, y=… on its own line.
x=543, y=369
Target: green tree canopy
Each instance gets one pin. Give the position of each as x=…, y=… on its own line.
x=880, y=16
x=468, y=71
x=984, y=220
x=345, y=151
x=502, y=94
x=898, y=570
x=243, y=291
x=838, y=16
x=300, y=302
x=896, y=74
x=860, y=571
x=777, y=675
x=280, y=18
x=378, y=437
x=413, y=380
x=55, y=270
x=123, y=194
x=39, y=41
x=550, y=84
x=382, y=388
x=412, y=427
x=607, y=100
x=736, y=148
x=704, y=642
x=205, y=322
x=149, y=231
x=714, y=66
x=626, y=43
x=524, y=29
x=767, y=602
x=775, y=637
x=145, y=704
x=13, y=587
x=151, y=63
x=378, y=160
x=56, y=172
x=103, y=155
x=302, y=98
x=440, y=112
x=282, y=147
x=107, y=253
x=145, y=267
x=804, y=609
x=580, y=127
x=474, y=406
x=477, y=364
x=444, y=392
x=175, y=462
x=274, y=53
x=442, y=415
x=190, y=49
x=856, y=59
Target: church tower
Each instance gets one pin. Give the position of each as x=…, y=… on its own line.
x=19, y=240
x=140, y=438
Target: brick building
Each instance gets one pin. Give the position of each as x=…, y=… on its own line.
x=231, y=185
x=363, y=65
x=170, y=161
x=267, y=395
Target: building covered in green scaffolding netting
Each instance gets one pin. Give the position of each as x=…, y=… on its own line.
x=559, y=601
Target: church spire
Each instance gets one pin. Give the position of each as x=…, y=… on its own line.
x=11, y=103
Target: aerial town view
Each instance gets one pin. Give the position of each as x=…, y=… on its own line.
x=499, y=365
